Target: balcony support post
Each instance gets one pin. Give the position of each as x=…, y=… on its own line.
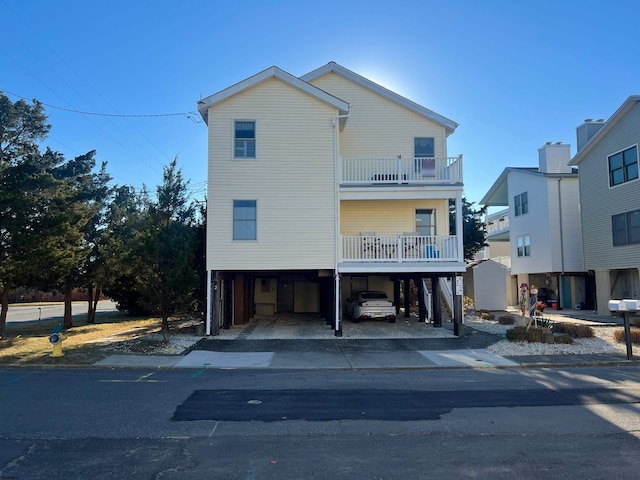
x=459, y=227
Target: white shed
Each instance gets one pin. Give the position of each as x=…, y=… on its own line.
x=491, y=285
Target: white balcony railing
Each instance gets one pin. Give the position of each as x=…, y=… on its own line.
x=498, y=223
x=398, y=170
x=400, y=248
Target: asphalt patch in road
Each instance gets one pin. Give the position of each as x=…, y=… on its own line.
x=391, y=405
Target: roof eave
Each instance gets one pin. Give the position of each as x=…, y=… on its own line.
x=627, y=105
x=332, y=67
x=271, y=72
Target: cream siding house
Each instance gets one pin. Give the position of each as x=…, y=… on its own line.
x=610, y=202
x=323, y=186
x=542, y=227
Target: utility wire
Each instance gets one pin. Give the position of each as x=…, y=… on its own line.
x=134, y=115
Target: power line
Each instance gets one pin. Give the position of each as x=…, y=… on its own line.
x=130, y=115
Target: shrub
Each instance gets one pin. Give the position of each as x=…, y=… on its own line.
x=619, y=336
x=563, y=338
x=574, y=330
x=521, y=334
x=506, y=320
x=636, y=322
x=487, y=316
x=543, y=322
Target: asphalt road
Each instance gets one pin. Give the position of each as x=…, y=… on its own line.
x=579, y=423
x=34, y=312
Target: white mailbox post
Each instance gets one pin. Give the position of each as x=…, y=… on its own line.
x=625, y=306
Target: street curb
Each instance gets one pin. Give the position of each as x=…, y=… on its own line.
x=530, y=365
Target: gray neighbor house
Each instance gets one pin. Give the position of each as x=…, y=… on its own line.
x=607, y=161
x=572, y=225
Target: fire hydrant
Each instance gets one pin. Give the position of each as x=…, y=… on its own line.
x=55, y=339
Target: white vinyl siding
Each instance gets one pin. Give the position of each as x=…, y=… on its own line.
x=292, y=181
x=566, y=238
x=599, y=201
x=378, y=127
x=535, y=223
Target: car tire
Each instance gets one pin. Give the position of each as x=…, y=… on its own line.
x=392, y=320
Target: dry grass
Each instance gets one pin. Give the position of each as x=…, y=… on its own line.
x=84, y=344
x=634, y=333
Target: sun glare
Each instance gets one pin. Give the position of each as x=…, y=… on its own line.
x=388, y=79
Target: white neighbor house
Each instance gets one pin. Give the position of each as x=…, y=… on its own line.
x=607, y=162
x=323, y=186
x=542, y=228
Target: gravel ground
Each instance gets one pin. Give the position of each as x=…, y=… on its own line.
x=603, y=342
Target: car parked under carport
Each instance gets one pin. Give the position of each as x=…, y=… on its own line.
x=371, y=305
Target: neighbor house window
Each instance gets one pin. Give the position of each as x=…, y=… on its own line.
x=521, y=204
x=524, y=246
x=244, y=139
x=626, y=228
x=623, y=166
x=244, y=220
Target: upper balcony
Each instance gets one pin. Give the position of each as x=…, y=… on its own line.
x=401, y=171
x=498, y=226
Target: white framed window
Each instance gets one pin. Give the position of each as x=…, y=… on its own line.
x=521, y=204
x=423, y=147
x=245, y=220
x=425, y=222
x=244, y=139
x=423, y=153
x=623, y=166
x=524, y=246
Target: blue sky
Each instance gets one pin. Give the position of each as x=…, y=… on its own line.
x=512, y=74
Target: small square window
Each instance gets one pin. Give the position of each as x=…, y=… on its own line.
x=423, y=147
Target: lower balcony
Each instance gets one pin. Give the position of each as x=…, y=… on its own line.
x=400, y=249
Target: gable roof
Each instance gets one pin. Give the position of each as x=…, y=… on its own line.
x=269, y=73
x=333, y=67
x=498, y=194
x=628, y=104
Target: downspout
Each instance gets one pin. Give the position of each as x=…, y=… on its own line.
x=336, y=225
x=561, y=243
x=560, y=218
x=459, y=226
x=209, y=300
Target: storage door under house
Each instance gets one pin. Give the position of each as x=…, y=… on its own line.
x=285, y=296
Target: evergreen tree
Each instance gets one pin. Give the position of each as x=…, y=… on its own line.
x=473, y=224
x=25, y=192
x=167, y=278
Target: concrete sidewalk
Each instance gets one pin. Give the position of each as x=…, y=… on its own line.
x=373, y=353
x=317, y=360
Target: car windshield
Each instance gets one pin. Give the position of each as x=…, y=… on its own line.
x=374, y=295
